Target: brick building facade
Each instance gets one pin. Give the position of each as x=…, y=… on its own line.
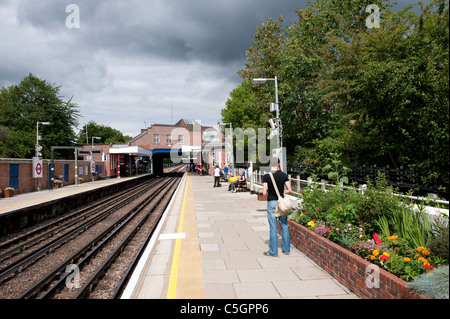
x=198, y=144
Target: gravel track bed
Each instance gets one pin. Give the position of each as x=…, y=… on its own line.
x=14, y=287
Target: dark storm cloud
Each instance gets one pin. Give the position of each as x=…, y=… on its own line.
x=143, y=55
x=216, y=31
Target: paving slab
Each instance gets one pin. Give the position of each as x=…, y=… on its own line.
x=232, y=233
x=238, y=268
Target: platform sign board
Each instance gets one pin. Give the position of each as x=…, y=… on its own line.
x=92, y=166
x=90, y=151
x=38, y=169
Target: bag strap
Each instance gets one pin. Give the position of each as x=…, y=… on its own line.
x=275, y=185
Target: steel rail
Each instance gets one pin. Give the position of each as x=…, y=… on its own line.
x=99, y=274
x=35, y=289
x=20, y=264
x=64, y=222
x=127, y=275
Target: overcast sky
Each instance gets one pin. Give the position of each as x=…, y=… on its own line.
x=131, y=62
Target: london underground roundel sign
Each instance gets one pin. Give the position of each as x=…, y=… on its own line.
x=38, y=169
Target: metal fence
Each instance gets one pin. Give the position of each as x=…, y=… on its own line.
x=401, y=178
x=298, y=184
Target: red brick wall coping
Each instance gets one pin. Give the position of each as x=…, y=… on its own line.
x=348, y=268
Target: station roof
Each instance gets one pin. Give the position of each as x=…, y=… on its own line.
x=134, y=150
x=165, y=151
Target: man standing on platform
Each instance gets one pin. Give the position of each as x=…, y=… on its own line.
x=217, y=176
x=281, y=180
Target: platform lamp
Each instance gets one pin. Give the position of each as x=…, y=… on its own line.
x=95, y=137
x=39, y=148
x=274, y=107
x=232, y=148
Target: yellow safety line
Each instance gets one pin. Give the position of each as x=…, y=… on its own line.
x=172, y=289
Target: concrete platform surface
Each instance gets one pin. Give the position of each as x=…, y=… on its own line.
x=210, y=245
x=23, y=200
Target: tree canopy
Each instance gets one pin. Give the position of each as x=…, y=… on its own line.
x=375, y=95
x=106, y=134
x=22, y=106
x=33, y=100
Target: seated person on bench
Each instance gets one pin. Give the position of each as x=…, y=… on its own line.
x=239, y=180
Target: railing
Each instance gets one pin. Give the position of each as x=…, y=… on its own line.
x=401, y=178
x=298, y=184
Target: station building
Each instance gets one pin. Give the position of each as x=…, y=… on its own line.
x=186, y=141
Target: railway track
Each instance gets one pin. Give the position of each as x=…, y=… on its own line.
x=88, y=253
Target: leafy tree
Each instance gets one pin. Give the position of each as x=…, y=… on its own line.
x=391, y=82
x=107, y=134
x=377, y=96
x=22, y=105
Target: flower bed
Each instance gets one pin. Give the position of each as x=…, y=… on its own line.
x=408, y=246
x=357, y=274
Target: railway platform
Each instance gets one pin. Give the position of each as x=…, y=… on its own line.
x=210, y=244
x=27, y=209
x=24, y=200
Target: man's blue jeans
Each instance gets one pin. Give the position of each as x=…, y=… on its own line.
x=285, y=241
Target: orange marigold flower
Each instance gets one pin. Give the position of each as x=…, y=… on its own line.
x=426, y=253
x=420, y=248
x=422, y=259
x=373, y=257
x=393, y=237
x=407, y=259
x=376, y=252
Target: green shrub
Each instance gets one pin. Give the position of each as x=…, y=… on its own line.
x=319, y=204
x=439, y=243
x=377, y=201
x=313, y=198
x=344, y=213
x=434, y=284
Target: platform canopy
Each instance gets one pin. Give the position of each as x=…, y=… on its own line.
x=166, y=151
x=130, y=150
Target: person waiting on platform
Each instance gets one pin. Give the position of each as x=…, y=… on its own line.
x=217, y=176
x=234, y=184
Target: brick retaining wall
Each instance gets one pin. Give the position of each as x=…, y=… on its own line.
x=348, y=268
x=29, y=184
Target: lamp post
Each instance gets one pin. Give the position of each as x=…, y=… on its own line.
x=38, y=148
x=232, y=148
x=275, y=107
x=97, y=138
